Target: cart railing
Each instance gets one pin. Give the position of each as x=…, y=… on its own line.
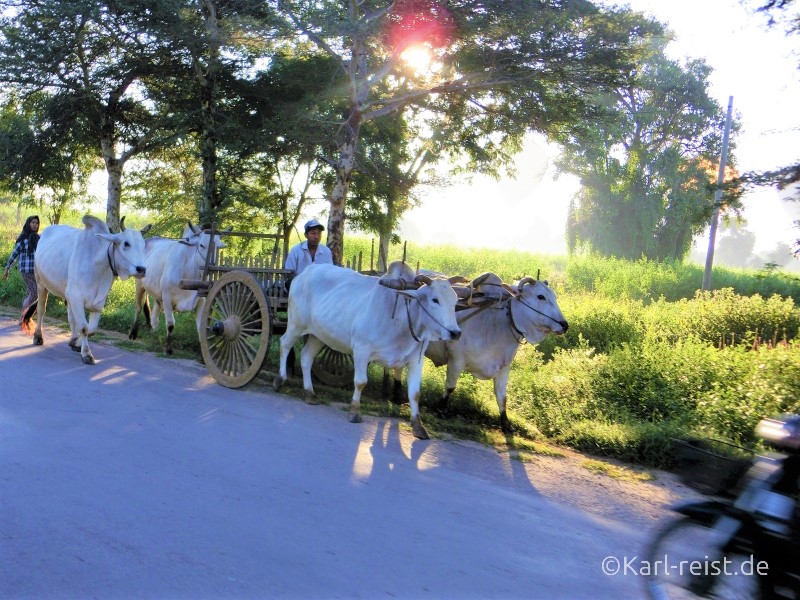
x=266, y=268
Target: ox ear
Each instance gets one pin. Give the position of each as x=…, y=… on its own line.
x=111, y=238
x=410, y=294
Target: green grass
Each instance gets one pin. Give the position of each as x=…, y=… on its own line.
x=616, y=472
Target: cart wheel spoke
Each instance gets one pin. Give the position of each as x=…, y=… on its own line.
x=333, y=368
x=237, y=327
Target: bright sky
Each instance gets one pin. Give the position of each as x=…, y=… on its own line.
x=754, y=65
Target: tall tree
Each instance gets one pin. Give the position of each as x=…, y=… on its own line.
x=42, y=159
x=215, y=45
x=531, y=62
x=265, y=151
x=92, y=58
x=648, y=166
x=396, y=154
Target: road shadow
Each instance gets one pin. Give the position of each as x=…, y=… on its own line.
x=388, y=444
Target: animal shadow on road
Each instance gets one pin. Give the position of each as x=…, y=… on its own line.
x=383, y=441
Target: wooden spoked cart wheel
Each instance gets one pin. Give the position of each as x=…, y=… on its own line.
x=236, y=329
x=333, y=368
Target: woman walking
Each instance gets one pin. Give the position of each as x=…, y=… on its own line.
x=24, y=249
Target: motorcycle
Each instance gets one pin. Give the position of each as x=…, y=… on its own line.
x=742, y=541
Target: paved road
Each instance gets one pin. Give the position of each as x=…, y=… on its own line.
x=140, y=477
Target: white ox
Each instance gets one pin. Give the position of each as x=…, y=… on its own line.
x=491, y=336
x=79, y=265
x=354, y=314
x=167, y=262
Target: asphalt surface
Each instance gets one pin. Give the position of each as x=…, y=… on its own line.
x=140, y=477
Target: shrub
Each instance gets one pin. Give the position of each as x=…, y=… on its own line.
x=646, y=383
x=724, y=317
x=603, y=323
x=753, y=385
x=643, y=443
x=559, y=392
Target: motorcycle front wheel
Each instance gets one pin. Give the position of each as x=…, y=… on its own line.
x=683, y=562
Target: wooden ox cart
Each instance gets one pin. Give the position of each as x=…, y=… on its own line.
x=246, y=302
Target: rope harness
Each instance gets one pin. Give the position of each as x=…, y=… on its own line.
x=518, y=334
x=110, y=255
x=556, y=321
x=410, y=325
x=408, y=315
x=203, y=259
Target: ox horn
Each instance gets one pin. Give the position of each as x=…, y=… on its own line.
x=122, y=224
x=523, y=281
x=396, y=284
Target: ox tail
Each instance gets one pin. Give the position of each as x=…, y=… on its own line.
x=146, y=309
x=26, y=323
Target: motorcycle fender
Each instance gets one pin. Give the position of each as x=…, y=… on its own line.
x=703, y=511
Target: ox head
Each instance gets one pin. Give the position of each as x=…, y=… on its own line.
x=126, y=251
x=436, y=318
x=535, y=312
x=200, y=240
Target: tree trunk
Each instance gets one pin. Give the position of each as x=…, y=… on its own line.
x=383, y=250
x=385, y=234
x=209, y=202
x=209, y=90
x=114, y=170
x=338, y=195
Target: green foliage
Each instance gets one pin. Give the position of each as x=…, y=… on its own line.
x=647, y=166
x=756, y=384
x=601, y=323
x=642, y=443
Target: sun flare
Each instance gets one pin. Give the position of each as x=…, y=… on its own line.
x=418, y=58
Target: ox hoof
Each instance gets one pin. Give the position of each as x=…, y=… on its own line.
x=355, y=418
x=419, y=430
x=311, y=398
x=87, y=360
x=505, y=424
x=38, y=340
x=170, y=351
x=133, y=334
x=277, y=383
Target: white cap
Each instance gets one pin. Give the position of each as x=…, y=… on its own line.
x=312, y=224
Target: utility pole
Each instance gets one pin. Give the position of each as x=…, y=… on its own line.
x=717, y=198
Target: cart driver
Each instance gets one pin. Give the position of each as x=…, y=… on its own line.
x=307, y=252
